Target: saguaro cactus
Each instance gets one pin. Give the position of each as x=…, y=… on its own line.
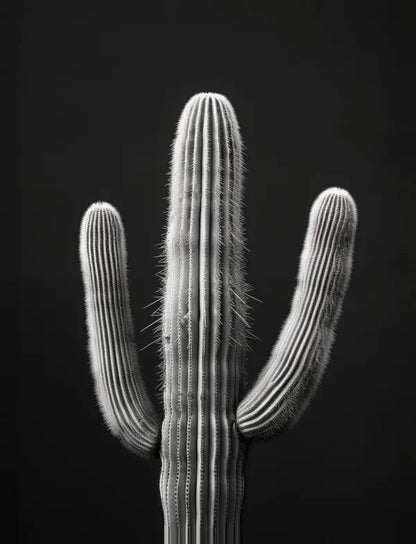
x=206, y=429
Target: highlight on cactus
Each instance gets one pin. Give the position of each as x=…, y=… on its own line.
x=208, y=422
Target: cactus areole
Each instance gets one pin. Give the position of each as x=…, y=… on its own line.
x=208, y=420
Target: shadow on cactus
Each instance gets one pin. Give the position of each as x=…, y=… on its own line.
x=208, y=423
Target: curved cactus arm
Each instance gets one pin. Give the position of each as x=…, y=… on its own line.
x=120, y=391
x=301, y=353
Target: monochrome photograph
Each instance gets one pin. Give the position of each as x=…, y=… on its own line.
x=212, y=291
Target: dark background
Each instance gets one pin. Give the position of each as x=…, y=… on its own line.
x=325, y=96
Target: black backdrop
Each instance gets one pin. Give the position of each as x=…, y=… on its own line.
x=324, y=95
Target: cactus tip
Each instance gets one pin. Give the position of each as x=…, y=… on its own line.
x=341, y=194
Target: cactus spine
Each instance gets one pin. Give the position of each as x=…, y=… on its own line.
x=204, y=328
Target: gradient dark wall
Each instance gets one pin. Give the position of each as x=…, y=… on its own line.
x=324, y=97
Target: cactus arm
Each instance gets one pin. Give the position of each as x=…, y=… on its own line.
x=301, y=353
x=120, y=391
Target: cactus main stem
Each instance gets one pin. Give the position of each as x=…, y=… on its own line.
x=201, y=482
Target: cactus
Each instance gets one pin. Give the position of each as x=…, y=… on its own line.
x=206, y=426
